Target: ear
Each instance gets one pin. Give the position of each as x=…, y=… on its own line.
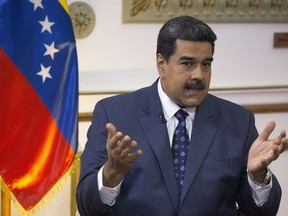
x=160, y=64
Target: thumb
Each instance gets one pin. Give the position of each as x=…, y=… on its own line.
x=264, y=135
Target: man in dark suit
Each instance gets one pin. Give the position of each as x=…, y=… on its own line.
x=128, y=165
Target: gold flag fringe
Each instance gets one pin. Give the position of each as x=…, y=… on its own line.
x=47, y=197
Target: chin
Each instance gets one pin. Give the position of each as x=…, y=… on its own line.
x=192, y=103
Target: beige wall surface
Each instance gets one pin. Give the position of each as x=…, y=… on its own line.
x=121, y=57
x=118, y=56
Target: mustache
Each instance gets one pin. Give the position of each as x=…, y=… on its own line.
x=195, y=84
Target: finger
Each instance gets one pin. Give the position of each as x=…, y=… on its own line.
x=113, y=136
x=284, y=142
x=127, y=146
x=111, y=130
x=281, y=141
x=123, y=143
x=133, y=156
x=283, y=133
x=127, y=152
x=284, y=139
x=264, y=135
x=276, y=153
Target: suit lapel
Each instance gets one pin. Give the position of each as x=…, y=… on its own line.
x=157, y=136
x=156, y=133
x=204, y=130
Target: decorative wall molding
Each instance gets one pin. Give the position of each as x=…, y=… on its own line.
x=259, y=108
x=258, y=100
x=213, y=11
x=83, y=19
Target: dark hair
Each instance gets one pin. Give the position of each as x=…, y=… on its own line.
x=183, y=28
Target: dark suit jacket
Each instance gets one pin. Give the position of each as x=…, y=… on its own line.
x=215, y=176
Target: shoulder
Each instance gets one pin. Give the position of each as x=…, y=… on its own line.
x=130, y=100
x=224, y=108
x=215, y=99
x=125, y=97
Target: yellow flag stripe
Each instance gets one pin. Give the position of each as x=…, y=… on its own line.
x=64, y=5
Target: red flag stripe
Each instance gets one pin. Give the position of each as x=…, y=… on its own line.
x=34, y=153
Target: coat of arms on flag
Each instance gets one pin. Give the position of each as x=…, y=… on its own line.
x=39, y=98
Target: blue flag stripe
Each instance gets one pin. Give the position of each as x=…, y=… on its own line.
x=26, y=37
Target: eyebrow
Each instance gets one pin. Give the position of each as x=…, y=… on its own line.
x=186, y=58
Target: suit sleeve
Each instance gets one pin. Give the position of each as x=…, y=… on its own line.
x=247, y=205
x=93, y=158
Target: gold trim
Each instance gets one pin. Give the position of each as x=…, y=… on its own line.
x=211, y=89
x=261, y=108
x=74, y=182
x=255, y=108
x=250, y=88
x=48, y=196
x=85, y=116
x=268, y=108
x=5, y=203
x=226, y=11
x=104, y=92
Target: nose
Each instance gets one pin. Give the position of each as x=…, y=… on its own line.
x=197, y=72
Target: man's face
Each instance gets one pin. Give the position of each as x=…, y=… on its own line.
x=186, y=77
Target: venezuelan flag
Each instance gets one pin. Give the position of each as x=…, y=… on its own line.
x=38, y=97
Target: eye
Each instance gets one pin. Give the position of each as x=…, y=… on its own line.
x=187, y=63
x=206, y=65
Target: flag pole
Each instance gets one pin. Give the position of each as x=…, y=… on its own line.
x=5, y=203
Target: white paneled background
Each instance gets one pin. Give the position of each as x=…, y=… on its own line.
x=119, y=57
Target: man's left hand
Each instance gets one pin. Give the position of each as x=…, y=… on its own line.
x=264, y=151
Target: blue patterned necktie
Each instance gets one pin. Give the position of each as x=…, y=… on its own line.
x=180, y=147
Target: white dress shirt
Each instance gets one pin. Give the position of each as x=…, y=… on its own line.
x=109, y=195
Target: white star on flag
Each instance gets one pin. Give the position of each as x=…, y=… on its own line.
x=50, y=50
x=37, y=3
x=46, y=25
x=44, y=73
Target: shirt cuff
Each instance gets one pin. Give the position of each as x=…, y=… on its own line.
x=108, y=195
x=260, y=192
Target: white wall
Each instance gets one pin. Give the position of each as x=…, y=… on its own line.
x=125, y=53
x=121, y=57
x=278, y=167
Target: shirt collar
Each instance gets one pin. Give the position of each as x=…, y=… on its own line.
x=169, y=106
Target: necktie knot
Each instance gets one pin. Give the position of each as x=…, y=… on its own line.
x=181, y=115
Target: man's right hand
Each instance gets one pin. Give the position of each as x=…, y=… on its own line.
x=120, y=156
